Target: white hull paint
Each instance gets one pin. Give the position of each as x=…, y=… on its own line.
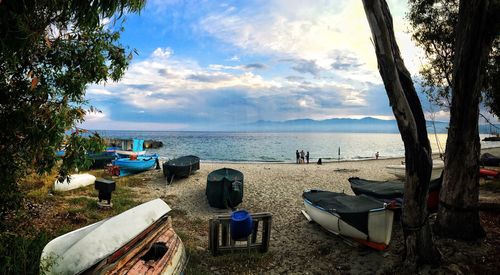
x=76, y=181
x=379, y=224
x=400, y=170
x=130, y=153
x=78, y=250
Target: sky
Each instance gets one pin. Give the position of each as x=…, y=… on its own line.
x=213, y=65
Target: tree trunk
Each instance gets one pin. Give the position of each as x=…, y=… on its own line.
x=458, y=215
x=411, y=123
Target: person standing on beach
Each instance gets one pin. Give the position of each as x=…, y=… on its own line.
x=297, y=156
x=302, y=155
x=376, y=155
x=307, y=157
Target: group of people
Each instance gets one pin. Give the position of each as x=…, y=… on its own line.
x=302, y=157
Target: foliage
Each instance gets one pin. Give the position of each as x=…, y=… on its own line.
x=49, y=52
x=433, y=23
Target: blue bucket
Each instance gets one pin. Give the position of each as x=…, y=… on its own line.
x=241, y=224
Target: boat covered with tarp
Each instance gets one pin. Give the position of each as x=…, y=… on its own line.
x=488, y=159
x=138, y=241
x=393, y=191
x=361, y=218
x=136, y=164
x=181, y=167
x=225, y=188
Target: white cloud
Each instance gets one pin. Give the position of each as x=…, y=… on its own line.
x=316, y=31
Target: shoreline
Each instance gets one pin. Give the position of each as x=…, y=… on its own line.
x=483, y=150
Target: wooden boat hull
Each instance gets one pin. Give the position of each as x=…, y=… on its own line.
x=142, y=163
x=116, y=245
x=379, y=225
x=76, y=181
x=126, y=154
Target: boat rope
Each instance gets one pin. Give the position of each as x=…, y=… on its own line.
x=458, y=208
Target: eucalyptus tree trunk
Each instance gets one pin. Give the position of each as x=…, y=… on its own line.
x=419, y=246
x=458, y=215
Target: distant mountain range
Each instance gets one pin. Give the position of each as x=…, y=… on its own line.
x=349, y=125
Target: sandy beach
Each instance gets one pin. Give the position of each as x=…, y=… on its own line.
x=297, y=246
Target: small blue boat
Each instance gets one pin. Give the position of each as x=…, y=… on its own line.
x=132, y=166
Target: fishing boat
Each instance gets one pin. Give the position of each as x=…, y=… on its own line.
x=181, y=167
x=399, y=170
x=488, y=173
x=392, y=192
x=224, y=188
x=138, y=241
x=100, y=160
x=75, y=181
x=362, y=218
x=136, y=164
x=137, y=149
x=488, y=159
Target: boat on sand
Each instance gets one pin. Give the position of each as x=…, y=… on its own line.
x=75, y=181
x=399, y=170
x=392, y=192
x=138, y=241
x=488, y=159
x=361, y=218
x=181, y=167
x=135, y=164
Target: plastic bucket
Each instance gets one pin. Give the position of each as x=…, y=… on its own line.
x=241, y=224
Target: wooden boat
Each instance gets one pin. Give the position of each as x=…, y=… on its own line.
x=399, y=170
x=224, y=188
x=75, y=181
x=138, y=241
x=100, y=160
x=361, y=218
x=136, y=164
x=126, y=153
x=392, y=192
x=488, y=159
x=488, y=173
x=181, y=167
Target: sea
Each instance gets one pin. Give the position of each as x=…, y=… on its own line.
x=278, y=147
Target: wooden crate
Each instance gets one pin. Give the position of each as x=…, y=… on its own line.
x=219, y=235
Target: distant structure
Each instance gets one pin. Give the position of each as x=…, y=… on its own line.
x=127, y=144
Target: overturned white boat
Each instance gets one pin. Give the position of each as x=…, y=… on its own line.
x=399, y=170
x=138, y=240
x=361, y=218
x=75, y=181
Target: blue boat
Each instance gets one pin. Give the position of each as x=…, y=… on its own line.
x=131, y=166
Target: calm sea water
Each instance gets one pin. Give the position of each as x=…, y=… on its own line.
x=276, y=147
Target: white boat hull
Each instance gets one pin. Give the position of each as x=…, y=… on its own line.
x=400, y=170
x=379, y=224
x=76, y=181
x=130, y=153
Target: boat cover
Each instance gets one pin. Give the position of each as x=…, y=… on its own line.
x=488, y=159
x=225, y=188
x=353, y=210
x=182, y=166
x=385, y=189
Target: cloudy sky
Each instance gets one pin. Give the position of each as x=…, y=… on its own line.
x=214, y=64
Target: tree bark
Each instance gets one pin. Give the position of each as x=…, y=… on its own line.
x=458, y=215
x=419, y=246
